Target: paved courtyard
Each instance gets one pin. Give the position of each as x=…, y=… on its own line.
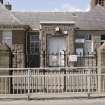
x=100, y=101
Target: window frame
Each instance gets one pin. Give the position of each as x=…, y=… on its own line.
x=80, y=54
x=7, y=37
x=34, y=44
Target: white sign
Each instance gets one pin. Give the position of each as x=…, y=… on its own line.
x=72, y=58
x=80, y=40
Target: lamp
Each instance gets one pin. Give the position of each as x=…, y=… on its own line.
x=57, y=29
x=65, y=32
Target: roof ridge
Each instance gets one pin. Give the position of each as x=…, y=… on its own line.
x=47, y=12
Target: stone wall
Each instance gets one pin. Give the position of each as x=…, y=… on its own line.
x=5, y=62
x=101, y=67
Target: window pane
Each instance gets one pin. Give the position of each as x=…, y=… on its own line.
x=7, y=37
x=102, y=37
x=89, y=47
x=34, y=39
x=34, y=44
x=80, y=40
x=88, y=37
x=79, y=51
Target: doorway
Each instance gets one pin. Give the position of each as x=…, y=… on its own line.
x=56, y=51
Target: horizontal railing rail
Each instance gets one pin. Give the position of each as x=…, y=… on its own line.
x=54, y=68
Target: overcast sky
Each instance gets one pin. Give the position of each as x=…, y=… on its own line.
x=50, y=5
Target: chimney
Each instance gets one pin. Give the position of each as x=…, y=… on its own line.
x=1, y=1
x=8, y=6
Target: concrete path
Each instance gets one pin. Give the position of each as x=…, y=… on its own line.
x=100, y=101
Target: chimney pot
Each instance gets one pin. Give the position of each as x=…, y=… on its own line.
x=1, y=1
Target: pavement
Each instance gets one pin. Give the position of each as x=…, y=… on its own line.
x=95, y=101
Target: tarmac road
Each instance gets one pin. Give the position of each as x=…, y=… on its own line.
x=98, y=101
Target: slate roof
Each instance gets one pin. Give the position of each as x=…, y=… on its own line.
x=34, y=18
x=7, y=18
x=92, y=20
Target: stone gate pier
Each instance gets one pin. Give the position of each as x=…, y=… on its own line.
x=5, y=62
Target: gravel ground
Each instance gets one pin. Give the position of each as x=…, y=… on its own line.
x=100, y=101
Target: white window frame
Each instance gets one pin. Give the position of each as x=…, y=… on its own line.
x=7, y=37
x=79, y=51
x=33, y=42
x=80, y=40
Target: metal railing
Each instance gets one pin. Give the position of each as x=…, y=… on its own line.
x=61, y=59
x=31, y=81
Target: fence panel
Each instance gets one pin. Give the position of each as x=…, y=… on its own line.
x=51, y=80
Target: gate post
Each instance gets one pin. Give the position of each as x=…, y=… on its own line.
x=64, y=80
x=99, y=69
x=88, y=81
x=28, y=78
x=44, y=72
x=99, y=79
x=5, y=62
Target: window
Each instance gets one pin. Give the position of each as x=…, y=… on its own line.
x=7, y=37
x=80, y=40
x=88, y=37
x=89, y=45
x=79, y=51
x=102, y=39
x=34, y=44
x=101, y=2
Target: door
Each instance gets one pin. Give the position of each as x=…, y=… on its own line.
x=33, y=45
x=56, y=49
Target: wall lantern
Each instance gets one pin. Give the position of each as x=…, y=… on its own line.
x=57, y=29
x=65, y=32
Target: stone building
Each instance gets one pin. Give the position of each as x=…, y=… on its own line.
x=77, y=33
x=52, y=39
